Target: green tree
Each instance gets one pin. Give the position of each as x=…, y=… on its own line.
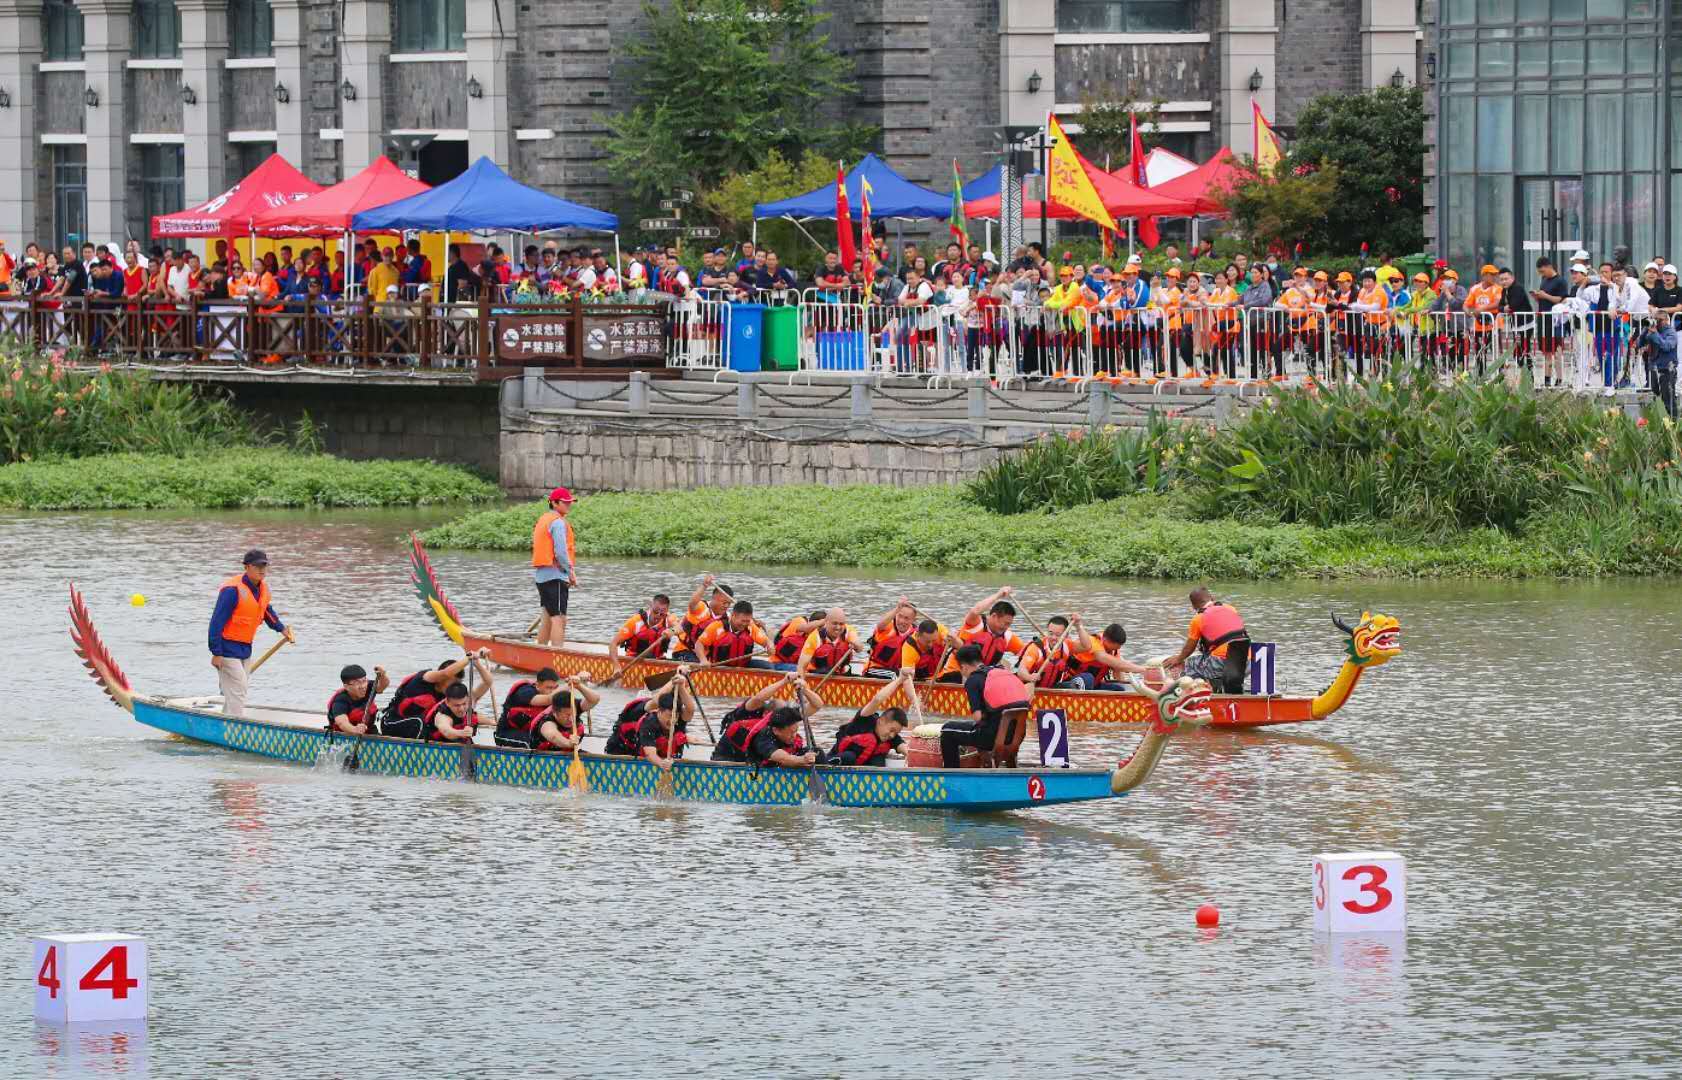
x=1279, y=212
x=1377, y=142
x=723, y=84
x=731, y=205
x=1106, y=127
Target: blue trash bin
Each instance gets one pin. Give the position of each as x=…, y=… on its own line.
x=841, y=350
x=747, y=336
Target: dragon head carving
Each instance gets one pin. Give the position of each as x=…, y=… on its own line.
x=1375, y=640
x=1183, y=701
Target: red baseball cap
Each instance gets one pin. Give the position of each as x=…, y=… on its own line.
x=560, y=495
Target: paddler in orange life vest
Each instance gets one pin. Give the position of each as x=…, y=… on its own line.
x=732, y=640
x=555, y=725
x=882, y=650
x=1046, y=661
x=874, y=731
x=992, y=691
x=405, y=717
x=790, y=640
x=755, y=722
x=649, y=629
x=697, y=617
x=242, y=604
x=990, y=633
x=351, y=709
x=529, y=701
x=828, y=647
x=653, y=728
x=1098, y=664
x=554, y=567
x=1212, y=631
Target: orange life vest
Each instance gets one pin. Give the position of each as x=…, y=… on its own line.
x=1220, y=623
x=1375, y=296
x=248, y=611
x=543, y=545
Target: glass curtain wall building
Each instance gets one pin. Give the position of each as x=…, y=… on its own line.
x=1558, y=127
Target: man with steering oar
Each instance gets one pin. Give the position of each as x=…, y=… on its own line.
x=242, y=604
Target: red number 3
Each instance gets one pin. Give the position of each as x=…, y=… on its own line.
x=1376, y=877
x=1319, y=886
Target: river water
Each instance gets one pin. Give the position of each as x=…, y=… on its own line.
x=1522, y=755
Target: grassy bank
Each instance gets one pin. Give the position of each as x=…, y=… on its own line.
x=232, y=478
x=1138, y=536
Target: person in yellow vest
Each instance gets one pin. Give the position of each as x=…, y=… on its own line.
x=242, y=604
x=554, y=567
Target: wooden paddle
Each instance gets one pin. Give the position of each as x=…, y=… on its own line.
x=815, y=781
x=657, y=682
x=261, y=660
x=617, y=675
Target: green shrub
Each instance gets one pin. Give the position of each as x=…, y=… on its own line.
x=231, y=479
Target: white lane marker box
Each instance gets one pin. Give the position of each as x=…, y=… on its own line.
x=81, y=977
x=1359, y=892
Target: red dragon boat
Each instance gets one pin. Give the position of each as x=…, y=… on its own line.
x=1372, y=641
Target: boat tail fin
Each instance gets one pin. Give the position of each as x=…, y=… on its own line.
x=431, y=593
x=95, y=657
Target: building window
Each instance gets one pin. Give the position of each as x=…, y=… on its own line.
x=161, y=171
x=247, y=156
x=61, y=24
x=1124, y=16
x=250, y=28
x=430, y=26
x=157, y=30
x=70, y=194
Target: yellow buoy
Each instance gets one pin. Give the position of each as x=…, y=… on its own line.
x=137, y=600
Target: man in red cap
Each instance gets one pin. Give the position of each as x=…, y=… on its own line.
x=553, y=567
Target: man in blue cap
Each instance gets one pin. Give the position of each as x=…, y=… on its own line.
x=242, y=604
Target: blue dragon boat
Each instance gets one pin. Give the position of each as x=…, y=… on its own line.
x=302, y=737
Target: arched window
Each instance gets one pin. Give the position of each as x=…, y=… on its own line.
x=250, y=28
x=61, y=24
x=430, y=26
x=157, y=30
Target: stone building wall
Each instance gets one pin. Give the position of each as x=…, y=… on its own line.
x=1318, y=52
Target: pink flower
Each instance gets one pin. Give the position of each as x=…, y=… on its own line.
x=17, y=376
x=1641, y=422
x=59, y=412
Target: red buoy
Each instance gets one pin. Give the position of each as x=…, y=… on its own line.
x=1208, y=915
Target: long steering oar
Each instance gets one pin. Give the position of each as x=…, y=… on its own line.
x=261, y=660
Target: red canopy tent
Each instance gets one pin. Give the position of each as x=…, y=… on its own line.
x=1121, y=199
x=1206, y=186
x=329, y=212
x=273, y=183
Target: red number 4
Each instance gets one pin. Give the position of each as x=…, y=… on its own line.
x=115, y=961
x=48, y=975
x=1376, y=877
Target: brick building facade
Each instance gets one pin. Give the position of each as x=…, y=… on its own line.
x=114, y=110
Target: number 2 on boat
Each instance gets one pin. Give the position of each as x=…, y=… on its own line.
x=1036, y=789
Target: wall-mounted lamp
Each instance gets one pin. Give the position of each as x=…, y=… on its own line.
x=5, y=98
x=1431, y=66
x=347, y=90
x=1397, y=79
x=1034, y=82
x=474, y=90
x=188, y=97
x=1255, y=80
x=90, y=97
x=281, y=94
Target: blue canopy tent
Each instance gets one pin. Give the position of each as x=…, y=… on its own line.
x=483, y=199
x=984, y=185
x=891, y=196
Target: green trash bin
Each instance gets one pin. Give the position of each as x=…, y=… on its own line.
x=782, y=339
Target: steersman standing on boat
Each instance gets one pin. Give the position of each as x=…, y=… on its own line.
x=242, y=604
x=554, y=567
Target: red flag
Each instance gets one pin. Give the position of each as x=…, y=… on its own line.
x=843, y=222
x=1148, y=236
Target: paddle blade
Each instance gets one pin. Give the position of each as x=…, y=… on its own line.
x=431, y=592
x=578, y=777
x=95, y=657
x=656, y=683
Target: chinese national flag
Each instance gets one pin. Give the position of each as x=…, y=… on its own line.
x=1148, y=234
x=843, y=222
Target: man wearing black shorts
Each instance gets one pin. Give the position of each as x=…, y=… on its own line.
x=553, y=567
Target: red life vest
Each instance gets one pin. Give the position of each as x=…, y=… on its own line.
x=740, y=728
x=1056, y=667
x=520, y=717
x=415, y=697
x=928, y=663
x=830, y=652
x=869, y=749
x=992, y=645
x=788, y=646
x=643, y=640
x=627, y=733
x=689, y=629
x=731, y=645
x=569, y=728
x=431, y=733
x=885, y=648
x=1220, y=625
x=354, y=713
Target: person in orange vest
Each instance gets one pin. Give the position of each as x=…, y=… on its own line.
x=1214, y=627
x=1374, y=305
x=1295, y=299
x=1483, y=307
x=1169, y=302
x=554, y=567
x=242, y=604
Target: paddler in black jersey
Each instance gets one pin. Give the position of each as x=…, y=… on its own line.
x=560, y=726
x=753, y=717
x=405, y=716
x=350, y=711
x=654, y=728
x=874, y=731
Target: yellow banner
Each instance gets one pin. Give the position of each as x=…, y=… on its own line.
x=1068, y=185
x=1267, y=145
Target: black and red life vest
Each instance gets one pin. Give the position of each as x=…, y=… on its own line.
x=415, y=696
x=569, y=728
x=520, y=717
x=342, y=703
x=644, y=639
x=788, y=643
x=1055, y=668
x=738, y=728
x=831, y=652
x=867, y=748
x=730, y=645
x=928, y=661
x=431, y=733
x=628, y=731
x=885, y=648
